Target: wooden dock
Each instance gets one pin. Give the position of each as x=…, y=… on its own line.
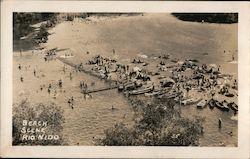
x=100, y=89
x=89, y=72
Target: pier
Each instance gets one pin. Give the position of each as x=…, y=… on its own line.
x=100, y=89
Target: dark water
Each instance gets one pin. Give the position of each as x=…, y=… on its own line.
x=214, y=136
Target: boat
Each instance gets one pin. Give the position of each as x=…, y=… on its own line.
x=221, y=106
x=229, y=94
x=141, y=90
x=155, y=93
x=190, y=101
x=202, y=104
x=233, y=106
x=126, y=86
x=173, y=95
x=211, y=103
x=120, y=87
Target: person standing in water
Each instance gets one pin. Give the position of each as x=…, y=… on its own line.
x=219, y=122
x=21, y=52
x=34, y=72
x=19, y=67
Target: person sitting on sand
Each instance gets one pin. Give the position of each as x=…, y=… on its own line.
x=60, y=83
x=70, y=76
x=50, y=86
x=21, y=78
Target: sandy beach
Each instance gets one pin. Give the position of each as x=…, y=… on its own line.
x=124, y=38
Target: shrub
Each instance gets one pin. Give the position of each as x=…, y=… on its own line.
x=49, y=113
x=159, y=124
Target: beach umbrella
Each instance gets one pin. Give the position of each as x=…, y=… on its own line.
x=142, y=56
x=180, y=62
x=136, y=69
x=213, y=65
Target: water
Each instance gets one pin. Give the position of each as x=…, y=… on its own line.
x=214, y=136
x=90, y=117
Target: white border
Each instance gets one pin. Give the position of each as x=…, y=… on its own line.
x=7, y=150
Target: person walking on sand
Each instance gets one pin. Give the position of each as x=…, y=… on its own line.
x=70, y=76
x=21, y=52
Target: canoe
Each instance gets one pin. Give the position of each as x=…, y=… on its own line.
x=126, y=86
x=190, y=101
x=202, y=104
x=229, y=94
x=155, y=93
x=141, y=90
x=221, y=106
x=173, y=95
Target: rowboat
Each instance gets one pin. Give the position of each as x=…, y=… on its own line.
x=202, y=104
x=155, y=93
x=229, y=94
x=126, y=86
x=233, y=106
x=221, y=106
x=141, y=90
x=190, y=101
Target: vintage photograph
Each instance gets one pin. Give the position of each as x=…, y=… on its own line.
x=125, y=79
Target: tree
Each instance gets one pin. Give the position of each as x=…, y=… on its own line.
x=158, y=124
x=49, y=113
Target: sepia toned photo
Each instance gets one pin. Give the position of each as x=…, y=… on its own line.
x=125, y=79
